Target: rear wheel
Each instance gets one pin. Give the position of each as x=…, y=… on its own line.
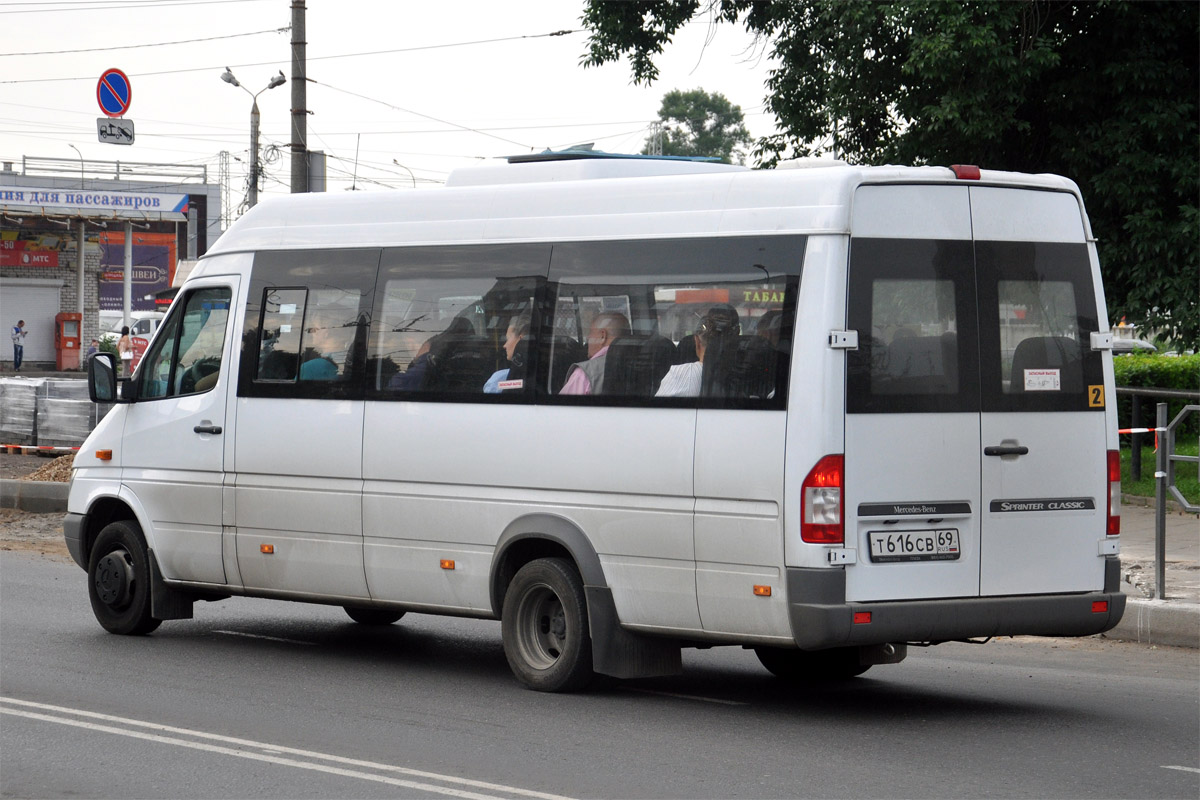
x=119, y=580
x=812, y=665
x=373, y=616
x=544, y=622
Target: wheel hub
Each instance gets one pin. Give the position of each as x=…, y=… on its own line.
x=114, y=576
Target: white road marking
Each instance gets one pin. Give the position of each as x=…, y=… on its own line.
x=268, y=638
x=237, y=751
x=1185, y=769
x=688, y=697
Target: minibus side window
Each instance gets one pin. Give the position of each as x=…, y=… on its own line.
x=307, y=316
x=186, y=358
x=673, y=323
x=279, y=335
x=441, y=323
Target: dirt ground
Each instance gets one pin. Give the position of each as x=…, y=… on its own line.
x=18, y=466
x=33, y=533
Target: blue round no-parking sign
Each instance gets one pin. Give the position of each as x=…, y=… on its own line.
x=113, y=92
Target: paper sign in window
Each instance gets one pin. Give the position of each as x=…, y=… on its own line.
x=1043, y=380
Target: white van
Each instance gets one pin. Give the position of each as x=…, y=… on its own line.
x=142, y=323
x=900, y=426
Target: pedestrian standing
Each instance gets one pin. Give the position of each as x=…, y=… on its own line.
x=18, y=340
x=125, y=351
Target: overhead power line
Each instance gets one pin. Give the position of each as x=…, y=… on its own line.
x=152, y=44
x=310, y=58
x=75, y=6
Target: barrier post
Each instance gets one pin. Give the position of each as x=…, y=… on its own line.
x=1135, y=441
x=1160, y=506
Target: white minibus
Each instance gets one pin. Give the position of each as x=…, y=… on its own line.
x=626, y=406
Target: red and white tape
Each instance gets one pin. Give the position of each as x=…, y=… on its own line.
x=34, y=447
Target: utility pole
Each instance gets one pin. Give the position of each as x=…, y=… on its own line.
x=252, y=192
x=299, y=101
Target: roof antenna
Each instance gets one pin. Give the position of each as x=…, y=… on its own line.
x=354, y=179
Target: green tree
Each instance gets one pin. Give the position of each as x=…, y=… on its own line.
x=1103, y=92
x=697, y=123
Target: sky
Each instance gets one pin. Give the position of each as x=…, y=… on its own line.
x=400, y=92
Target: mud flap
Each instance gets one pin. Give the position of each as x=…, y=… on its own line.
x=165, y=602
x=621, y=654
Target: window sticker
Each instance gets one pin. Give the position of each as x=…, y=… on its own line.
x=1096, y=396
x=517, y=384
x=1043, y=380
x=287, y=308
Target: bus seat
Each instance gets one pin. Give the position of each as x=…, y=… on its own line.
x=460, y=364
x=562, y=351
x=1048, y=352
x=636, y=365
x=687, y=350
x=741, y=367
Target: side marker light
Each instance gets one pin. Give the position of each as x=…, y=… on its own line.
x=267, y=549
x=447, y=563
x=104, y=455
x=762, y=591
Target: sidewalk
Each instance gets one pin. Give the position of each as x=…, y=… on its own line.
x=1174, y=621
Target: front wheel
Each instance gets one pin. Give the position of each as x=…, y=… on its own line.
x=544, y=624
x=373, y=616
x=119, y=580
x=812, y=665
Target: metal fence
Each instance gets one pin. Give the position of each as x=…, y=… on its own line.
x=1166, y=458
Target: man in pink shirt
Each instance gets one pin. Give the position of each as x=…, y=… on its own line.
x=587, y=377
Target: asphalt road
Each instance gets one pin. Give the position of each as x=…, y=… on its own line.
x=262, y=699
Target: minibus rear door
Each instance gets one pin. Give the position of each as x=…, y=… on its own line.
x=1044, y=468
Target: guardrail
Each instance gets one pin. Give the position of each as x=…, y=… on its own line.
x=1137, y=393
x=1164, y=482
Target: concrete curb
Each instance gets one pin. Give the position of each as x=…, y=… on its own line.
x=1159, y=622
x=37, y=497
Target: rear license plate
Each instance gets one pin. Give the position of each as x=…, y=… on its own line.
x=939, y=545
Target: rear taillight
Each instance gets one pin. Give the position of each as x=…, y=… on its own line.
x=822, y=520
x=1114, y=493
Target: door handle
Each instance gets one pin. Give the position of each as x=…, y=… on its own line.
x=216, y=429
x=1006, y=450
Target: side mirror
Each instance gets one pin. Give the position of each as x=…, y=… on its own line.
x=102, y=378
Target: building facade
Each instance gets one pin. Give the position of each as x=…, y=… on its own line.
x=52, y=209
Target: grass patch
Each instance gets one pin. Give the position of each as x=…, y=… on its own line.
x=1185, y=473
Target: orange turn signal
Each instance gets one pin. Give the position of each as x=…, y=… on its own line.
x=762, y=591
x=268, y=549
x=104, y=455
x=447, y=563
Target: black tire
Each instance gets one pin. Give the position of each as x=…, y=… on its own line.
x=840, y=663
x=545, y=627
x=119, y=580
x=373, y=616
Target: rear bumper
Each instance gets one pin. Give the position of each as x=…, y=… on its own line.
x=821, y=617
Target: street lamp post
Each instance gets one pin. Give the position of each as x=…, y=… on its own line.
x=278, y=80
x=76, y=149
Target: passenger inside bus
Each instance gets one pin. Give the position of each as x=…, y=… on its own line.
x=718, y=330
x=587, y=377
x=518, y=329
